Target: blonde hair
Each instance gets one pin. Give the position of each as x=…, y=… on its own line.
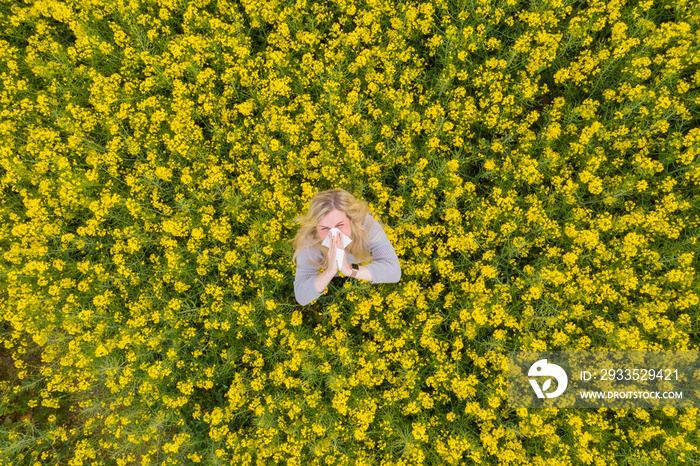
x=321, y=204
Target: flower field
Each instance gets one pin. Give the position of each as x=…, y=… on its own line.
x=535, y=163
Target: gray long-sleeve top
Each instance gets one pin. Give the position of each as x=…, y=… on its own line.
x=384, y=267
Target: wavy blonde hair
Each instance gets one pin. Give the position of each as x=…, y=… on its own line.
x=321, y=204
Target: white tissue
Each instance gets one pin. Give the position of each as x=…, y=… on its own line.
x=339, y=253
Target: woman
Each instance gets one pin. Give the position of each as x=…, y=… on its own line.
x=338, y=209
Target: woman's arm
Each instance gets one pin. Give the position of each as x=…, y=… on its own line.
x=363, y=272
x=385, y=267
x=305, y=278
x=308, y=283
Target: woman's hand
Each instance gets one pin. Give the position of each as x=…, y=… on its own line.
x=332, y=254
x=324, y=278
x=346, y=269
